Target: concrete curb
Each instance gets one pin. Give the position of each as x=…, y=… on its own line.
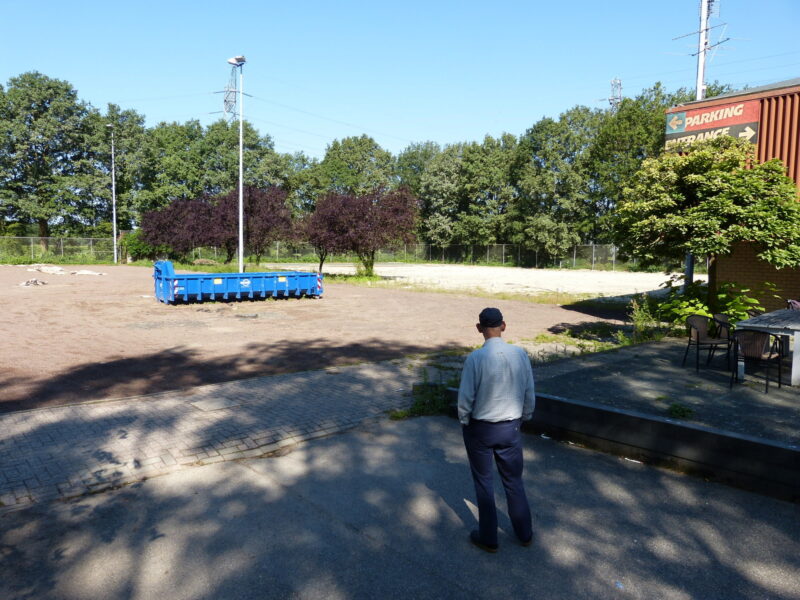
x=759, y=465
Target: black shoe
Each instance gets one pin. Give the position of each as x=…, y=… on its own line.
x=528, y=543
x=475, y=538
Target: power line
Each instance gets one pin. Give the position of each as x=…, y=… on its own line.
x=325, y=137
x=651, y=77
x=173, y=97
x=324, y=118
x=302, y=149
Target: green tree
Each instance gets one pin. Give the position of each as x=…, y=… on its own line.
x=552, y=211
x=129, y=132
x=486, y=189
x=170, y=165
x=706, y=198
x=412, y=162
x=299, y=182
x=440, y=193
x=626, y=136
x=46, y=137
x=219, y=156
x=356, y=165
x=465, y=192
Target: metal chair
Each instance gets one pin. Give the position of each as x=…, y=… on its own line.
x=722, y=327
x=700, y=338
x=756, y=347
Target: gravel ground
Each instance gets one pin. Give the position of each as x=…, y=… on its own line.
x=508, y=279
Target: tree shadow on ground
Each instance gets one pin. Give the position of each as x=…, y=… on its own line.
x=182, y=368
x=598, y=331
x=597, y=308
x=384, y=512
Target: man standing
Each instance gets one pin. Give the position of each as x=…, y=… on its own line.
x=495, y=395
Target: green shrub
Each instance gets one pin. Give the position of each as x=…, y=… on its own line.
x=138, y=249
x=732, y=299
x=646, y=323
x=736, y=301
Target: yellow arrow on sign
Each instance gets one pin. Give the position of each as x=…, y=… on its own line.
x=748, y=133
x=675, y=122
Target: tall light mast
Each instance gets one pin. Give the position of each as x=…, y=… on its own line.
x=238, y=63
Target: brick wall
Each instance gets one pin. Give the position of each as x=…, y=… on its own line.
x=744, y=267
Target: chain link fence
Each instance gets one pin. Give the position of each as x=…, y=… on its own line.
x=56, y=249
x=590, y=256
x=89, y=250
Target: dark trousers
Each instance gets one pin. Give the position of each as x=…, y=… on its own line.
x=500, y=443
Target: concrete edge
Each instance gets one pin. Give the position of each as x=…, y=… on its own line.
x=759, y=465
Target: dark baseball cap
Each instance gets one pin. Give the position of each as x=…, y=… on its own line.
x=490, y=317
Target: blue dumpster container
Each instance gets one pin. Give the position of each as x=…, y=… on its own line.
x=200, y=287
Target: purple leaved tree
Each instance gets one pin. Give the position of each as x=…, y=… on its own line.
x=362, y=224
x=266, y=219
x=183, y=225
x=327, y=228
x=224, y=229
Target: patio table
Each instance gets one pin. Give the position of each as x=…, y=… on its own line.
x=785, y=323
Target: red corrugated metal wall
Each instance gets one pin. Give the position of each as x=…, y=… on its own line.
x=779, y=132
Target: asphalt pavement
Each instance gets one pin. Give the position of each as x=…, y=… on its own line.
x=383, y=510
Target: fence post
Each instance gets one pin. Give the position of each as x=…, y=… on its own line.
x=592, y=256
x=61, y=242
x=504, y=255
x=31, y=239
x=613, y=257
x=487, y=254
x=574, y=256
x=91, y=246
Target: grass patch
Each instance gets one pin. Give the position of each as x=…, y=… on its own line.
x=358, y=279
x=586, y=338
x=430, y=398
x=680, y=411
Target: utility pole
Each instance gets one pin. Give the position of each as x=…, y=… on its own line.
x=113, y=192
x=700, y=93
x=702, y=48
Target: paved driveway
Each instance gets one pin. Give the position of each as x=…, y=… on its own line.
x=383, y=511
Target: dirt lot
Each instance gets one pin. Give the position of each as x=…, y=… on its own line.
x=86, y=337
x=514, y=280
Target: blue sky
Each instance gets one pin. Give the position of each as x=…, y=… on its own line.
x=400, y=72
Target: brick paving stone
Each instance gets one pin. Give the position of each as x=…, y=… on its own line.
x=66, y=451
